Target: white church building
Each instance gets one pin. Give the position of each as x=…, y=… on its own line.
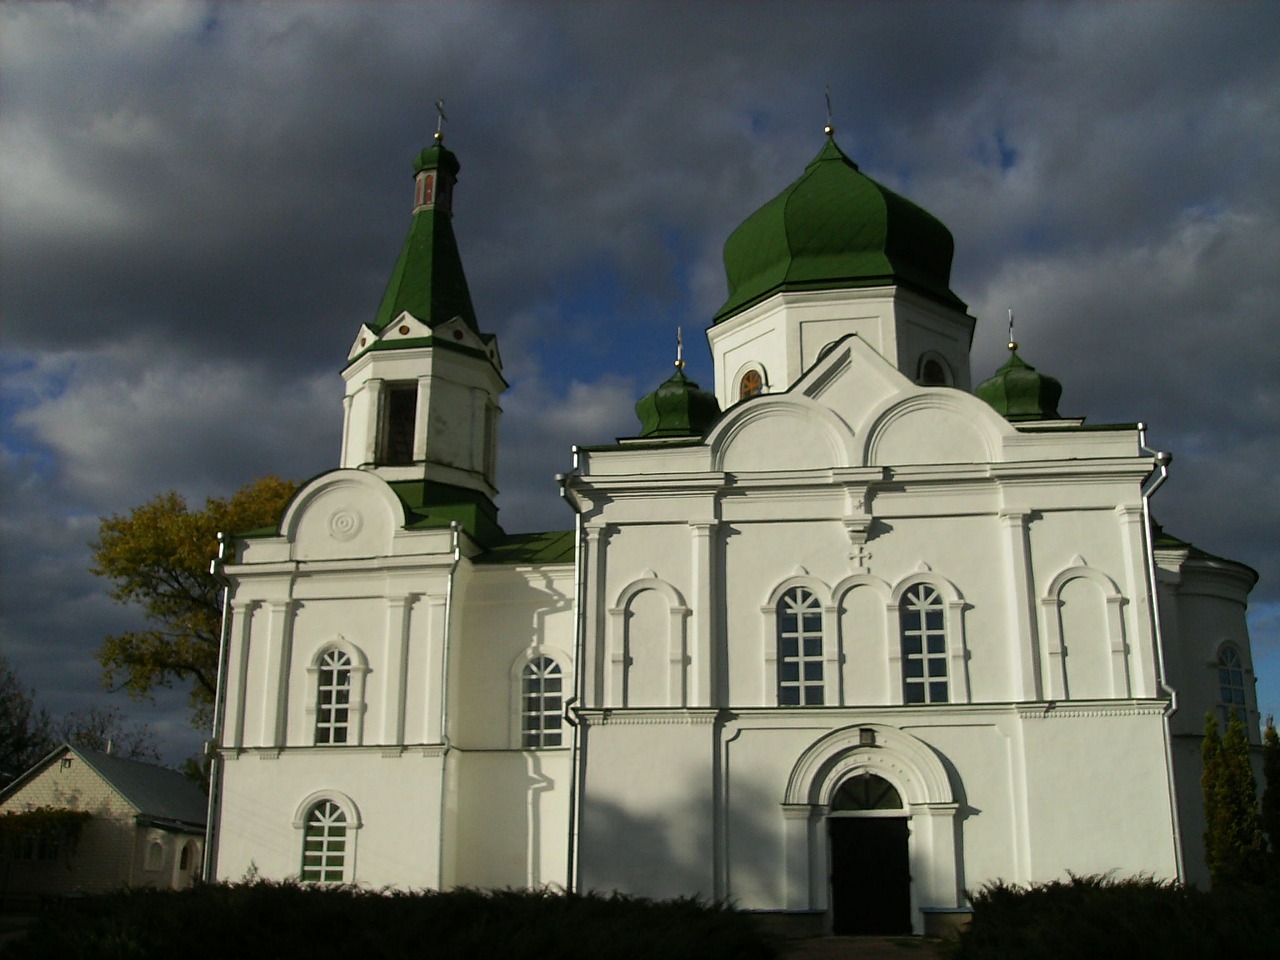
x=841, y=637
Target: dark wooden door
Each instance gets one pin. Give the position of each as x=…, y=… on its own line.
x=870, y=878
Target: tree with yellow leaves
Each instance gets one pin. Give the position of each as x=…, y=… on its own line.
x=158, y=557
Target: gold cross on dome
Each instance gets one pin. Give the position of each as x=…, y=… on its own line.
x=440, y=119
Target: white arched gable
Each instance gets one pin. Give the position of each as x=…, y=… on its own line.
x=781, y=432
x=904, y=760
x=931, y=425
x=343, y=513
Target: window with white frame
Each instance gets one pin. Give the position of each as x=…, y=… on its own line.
x=324, y=843
x=333, y=697
x=924, y=645
x=800, y=680
x=1231, y=683
x=541, y=703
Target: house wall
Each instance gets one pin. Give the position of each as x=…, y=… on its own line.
x=112, y=850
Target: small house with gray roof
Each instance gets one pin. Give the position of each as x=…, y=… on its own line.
x=145, y=826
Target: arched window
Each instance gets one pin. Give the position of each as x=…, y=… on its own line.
x=800, y=680
x=155, y=855
x=932, y=371
x=751, y=384
x=333, y=697
x=324, y=844
x=184, y=858
x=541, y=703
x=866, y=791
x=924, y=645
x=1231, y=683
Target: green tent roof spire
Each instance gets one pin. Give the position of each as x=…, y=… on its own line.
x=428, y=280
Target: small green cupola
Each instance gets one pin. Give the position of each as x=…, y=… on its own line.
x=428, y=280
x=1019, y=392
x=678, y=408
x=836, y=228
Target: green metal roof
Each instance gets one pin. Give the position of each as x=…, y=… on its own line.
x=1019, y=392
x=833, y=228
x=554, y=546
x=678, y=408
x=430, y=504
x=428, y=279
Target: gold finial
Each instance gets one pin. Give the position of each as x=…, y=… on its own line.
x=679, y=350
x=829, y=129
x=1013, y=344
x=440, y=119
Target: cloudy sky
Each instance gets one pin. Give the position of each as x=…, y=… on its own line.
x=201, y=203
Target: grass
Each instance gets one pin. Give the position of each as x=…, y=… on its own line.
x=279, y=921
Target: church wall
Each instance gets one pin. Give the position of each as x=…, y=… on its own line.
x=513, y=809
x=1097, y=773
x=647, y=804
x=506, y=616
x=396, y=797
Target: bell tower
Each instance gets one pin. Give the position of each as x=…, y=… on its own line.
x=422, y=380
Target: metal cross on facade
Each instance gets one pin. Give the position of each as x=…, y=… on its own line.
x=861, y=555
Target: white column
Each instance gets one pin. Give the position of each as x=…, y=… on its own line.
x=395, y=665
x=795, y=852
x=593, y=617
x=421, y=411
x=275, y=715
x=435, y=678
x=374, y=387
x=1024, y=637
x=1141, y=669
x=700, y=676
x=233, y=724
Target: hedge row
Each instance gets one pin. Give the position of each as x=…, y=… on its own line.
x=279, y=921
x=1099, y=918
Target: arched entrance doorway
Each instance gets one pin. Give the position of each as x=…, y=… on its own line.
x=867, y=828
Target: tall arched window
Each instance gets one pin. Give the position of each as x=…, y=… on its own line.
x=541, y=703
x=324, y=843
x=800, y=680
x=924, y=645
x=1231, y=683
x=333, y=697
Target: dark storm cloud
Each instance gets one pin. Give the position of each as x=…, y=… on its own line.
x=202, y=203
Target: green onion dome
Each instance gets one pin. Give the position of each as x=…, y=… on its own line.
x=1018, y=392
x=678, y=408
x=836, y=228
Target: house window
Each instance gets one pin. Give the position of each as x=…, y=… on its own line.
x=1231, y=683
x=541, y=703
x=751, y=385
x=155, y=855
x=398, y=421
x=924, y=646
x=324, y=844
x=799, y=649
x=333, y=697
x=184, y=858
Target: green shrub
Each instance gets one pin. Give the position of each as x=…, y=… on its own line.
x=1098, y=918
x=279, y=921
